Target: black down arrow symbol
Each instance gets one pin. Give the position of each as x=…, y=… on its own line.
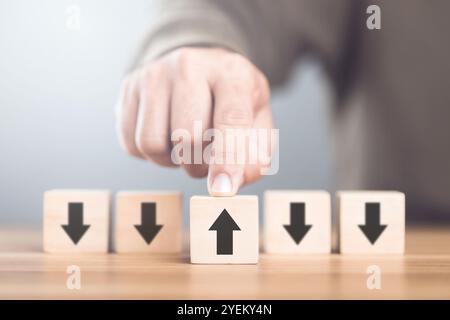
x=75, y=229
x=148, y=228
x=372, y=229
x=297, y=229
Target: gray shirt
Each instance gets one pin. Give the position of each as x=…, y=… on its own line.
x=391, y=121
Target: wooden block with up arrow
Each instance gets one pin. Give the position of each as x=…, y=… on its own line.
x=224, y=230
x=297, y=222
x=371, y=222
x=148, y=221
x=76, y=221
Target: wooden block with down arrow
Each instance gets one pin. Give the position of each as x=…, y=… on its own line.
x=224, y=230
x=297, y=222
x=76, y=221
x=148, y=221
x=371, y=222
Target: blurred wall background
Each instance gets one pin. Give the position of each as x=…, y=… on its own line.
x=58, y=87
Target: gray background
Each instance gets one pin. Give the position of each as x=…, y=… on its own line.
x=57, y=92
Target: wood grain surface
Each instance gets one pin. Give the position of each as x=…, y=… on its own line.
x=28, y=273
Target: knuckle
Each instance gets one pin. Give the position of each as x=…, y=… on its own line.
x=130, y=150
x=240, y=69
x=153, y=72
x=126, y=142
x=237, y=59
x=247, y=75
x=188, y=66
x=184, y=55
x=152, y=145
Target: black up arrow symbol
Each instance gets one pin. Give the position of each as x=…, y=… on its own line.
x=224, y=225
x=148, y=227
x=372, y=229
x=75, y=229
x=297, y=229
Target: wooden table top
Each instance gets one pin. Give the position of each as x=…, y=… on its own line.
x=28, y=273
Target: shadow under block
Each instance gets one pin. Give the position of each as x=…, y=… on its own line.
x=224, y=230
x=76, y=221
x=297, y=222
x=148, y=221
x=371, y=222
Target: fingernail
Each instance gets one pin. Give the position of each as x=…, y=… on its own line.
x=221, y=185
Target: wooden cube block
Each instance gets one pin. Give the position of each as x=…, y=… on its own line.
x=371, y=222
x=224, y=229
x=297, y=222
x=76, y=220
x=148, y=221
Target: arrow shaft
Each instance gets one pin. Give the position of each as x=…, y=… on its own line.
x=148, y=213
x=372, y=213
x=224, y=242
x=75, y=213
x=297, y=213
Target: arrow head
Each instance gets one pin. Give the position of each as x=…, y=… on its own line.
x=75, y=232
x=224, y=222
x=297, y=229
x=372, y=232
x=148, y=233
x=296, y=232
x=224, y=227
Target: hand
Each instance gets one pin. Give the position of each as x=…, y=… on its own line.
x=220, y=88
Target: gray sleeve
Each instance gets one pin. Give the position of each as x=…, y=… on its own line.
x=272, y=34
